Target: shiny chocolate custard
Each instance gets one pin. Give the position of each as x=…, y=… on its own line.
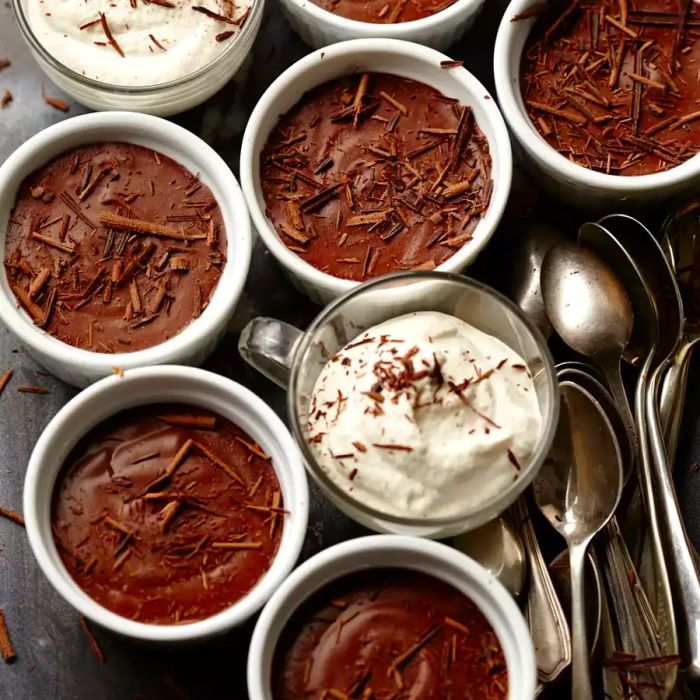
x=614, y=86
x=114, y=247
x=388, y=633
x=383, y=12
x=167, y=514
x=376, y=173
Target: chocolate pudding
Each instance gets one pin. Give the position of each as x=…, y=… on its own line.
x=388, y=633
x=614, y=86
x=167, y=514
x=113, y=247
x=383, y=12
x=374, y=173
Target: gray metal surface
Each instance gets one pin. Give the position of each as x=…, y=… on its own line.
x=54, y=661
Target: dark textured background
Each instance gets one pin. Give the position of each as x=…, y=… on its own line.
x=54, y=662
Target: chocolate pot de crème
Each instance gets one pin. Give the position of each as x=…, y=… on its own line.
x=167, y=514
x=114, y=247
x=375, y=173
x=614, y=87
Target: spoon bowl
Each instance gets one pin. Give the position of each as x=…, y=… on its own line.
x=586, y=302
x=591, y=311
x=523, y=274
x=590, y=382
x=499, y=549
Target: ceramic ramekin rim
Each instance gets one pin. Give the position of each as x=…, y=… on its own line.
x=396, y=30
x=499, y=148
x=44, y=549
x=492, y=596
x=510, y=100
x=233, y=275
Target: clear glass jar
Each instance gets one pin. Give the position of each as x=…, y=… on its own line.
x=162, y=100
x=294, y=359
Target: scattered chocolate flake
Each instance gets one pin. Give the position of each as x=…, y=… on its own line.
x=33, y=390
x=11, y=515
x=513, y=460
x=56, y=103
x=6, y=648
x=5, y=378
x=92, y=642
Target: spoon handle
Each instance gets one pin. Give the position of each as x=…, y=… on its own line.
x=610, y=366
x=672, y=399
x=580, y=671
x=681, y=563
x=546, y=619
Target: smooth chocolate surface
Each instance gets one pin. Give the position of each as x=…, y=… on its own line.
x=389, y=633
x=614, y=86
x=384, y=11
x=114, y=247
x=375, y=173
x=167, y=514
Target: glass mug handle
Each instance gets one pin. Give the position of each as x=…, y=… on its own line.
x=268, y=345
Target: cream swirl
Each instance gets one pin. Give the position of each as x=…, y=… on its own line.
x=424, y=416
x=137, y=43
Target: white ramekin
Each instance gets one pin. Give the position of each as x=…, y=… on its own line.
x=81, y=367
x=318, y=27
x=162, y=100
x=394, y=551
x=154, y=385
x=573, y=184
x=370, y=55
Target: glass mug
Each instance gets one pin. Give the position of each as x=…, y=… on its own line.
x=294, y=359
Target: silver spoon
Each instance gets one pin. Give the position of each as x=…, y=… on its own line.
x=637, y=626
x=679, y=554
x=522, y=275
x=584, y=367
x=548, y=626
x=681, y=242
x=590, y=310
x=499, y=549
x=577, y=490
x=642, y=518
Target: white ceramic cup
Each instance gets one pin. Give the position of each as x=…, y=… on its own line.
x=571, y=183
x=370, y=55
x=318, y=27
x=393, y=551
x=81, y=367
x=155, y=385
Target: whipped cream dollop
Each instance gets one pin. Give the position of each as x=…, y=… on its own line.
x=136, y=42
x=424, y=416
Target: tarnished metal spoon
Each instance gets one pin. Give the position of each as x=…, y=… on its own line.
x=521, y=279
x=637, y=629
x=643, y=518
x=683, y=570
x=545, y=616
x=577, y=490
x=681, y=243
x=499, y=549
x=589, y=308
x=561, y=578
